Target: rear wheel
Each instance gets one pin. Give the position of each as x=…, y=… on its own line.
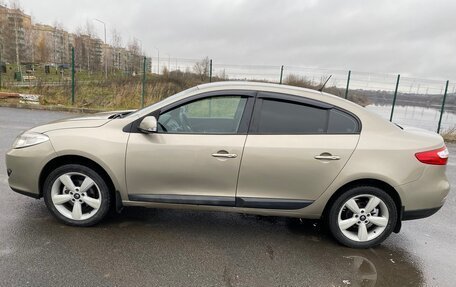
x=362, y=217
x=76, y=195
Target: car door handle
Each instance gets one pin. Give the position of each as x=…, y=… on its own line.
x=327, y=157
x=225, y=155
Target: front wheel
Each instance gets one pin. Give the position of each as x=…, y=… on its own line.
x=362, y=217
x=76, y=195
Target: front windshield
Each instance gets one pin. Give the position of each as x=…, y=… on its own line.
x=165, y=101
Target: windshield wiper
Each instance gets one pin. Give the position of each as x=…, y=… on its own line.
x=119, y=115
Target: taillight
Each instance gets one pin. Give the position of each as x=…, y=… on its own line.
x=436, y=157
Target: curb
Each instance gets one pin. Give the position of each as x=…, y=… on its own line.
x=52, y=108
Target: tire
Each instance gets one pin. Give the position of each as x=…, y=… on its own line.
x=76, y=195
x=359, y=229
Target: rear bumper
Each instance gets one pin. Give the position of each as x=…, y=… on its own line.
x=427, y=193
x=420, y=213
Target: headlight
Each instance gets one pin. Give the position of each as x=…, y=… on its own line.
x=29, y=139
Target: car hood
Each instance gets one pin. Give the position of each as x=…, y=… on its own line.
x=89, y=121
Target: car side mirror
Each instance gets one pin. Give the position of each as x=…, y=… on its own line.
x=148, y=125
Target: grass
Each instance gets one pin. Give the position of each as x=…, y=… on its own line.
x=449, y=135
x=117, y=92
x=124, y=92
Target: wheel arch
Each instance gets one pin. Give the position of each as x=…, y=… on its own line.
x=75, y=159
x=389, y=189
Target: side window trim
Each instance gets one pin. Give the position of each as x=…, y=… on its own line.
x=207, y=95
x=254, y=121
x=294, y=99
x=246, y=118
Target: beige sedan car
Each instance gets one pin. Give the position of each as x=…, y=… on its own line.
x=238, y=147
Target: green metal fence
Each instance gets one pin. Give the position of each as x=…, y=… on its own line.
x=430, y=104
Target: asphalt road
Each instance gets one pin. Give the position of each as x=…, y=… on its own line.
x=150, y=247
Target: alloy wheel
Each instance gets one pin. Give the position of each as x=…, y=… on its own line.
x=363, y=218
x=76, y=196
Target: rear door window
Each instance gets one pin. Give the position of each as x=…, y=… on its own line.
x=277, y=116
x=283, y=117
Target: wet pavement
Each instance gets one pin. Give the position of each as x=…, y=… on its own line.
x=152, y=247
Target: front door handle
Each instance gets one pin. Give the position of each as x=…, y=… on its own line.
x=327, y=157
x=224, y=155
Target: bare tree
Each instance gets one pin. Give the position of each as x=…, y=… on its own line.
x=88, y=29
x=135, y=52
x=222, y=75
x=81, y=53
x=201, y=68
x=116, y=40
x=30, y=39
x=59, y=42
x=134, y=47
x=42, y=50
x=87, y=42
x=16, y=7
x=16, y=4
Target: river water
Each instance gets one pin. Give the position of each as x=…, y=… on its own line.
x=421, y=117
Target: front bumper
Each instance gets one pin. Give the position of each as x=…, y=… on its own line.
x=24, y=167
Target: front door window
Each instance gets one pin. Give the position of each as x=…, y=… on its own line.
x=213, y=115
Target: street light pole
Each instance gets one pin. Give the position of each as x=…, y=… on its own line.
x=104, y=48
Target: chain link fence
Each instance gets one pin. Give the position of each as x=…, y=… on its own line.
x=425, y=103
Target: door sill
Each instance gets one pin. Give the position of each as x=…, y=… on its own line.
x=242, y=202
x=272, y=203
x=184, y=199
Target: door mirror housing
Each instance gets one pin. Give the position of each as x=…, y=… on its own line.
x=148, y=125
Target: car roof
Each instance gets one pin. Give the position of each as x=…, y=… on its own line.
x=278, y=88
x=249, y=85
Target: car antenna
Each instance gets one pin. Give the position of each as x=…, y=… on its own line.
x=322, y=87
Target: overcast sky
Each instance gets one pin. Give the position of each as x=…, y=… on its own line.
x=415, y=38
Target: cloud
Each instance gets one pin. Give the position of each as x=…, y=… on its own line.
x=410, y=37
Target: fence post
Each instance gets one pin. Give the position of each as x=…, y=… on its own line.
x=348, y=84
x=281, y=74
x=72, y=76
x=210, y=71
x=143, y=92
x=395, y=96
x=442, y=110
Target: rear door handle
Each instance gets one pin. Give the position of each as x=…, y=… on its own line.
x=327, y=157
x=225, y=155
